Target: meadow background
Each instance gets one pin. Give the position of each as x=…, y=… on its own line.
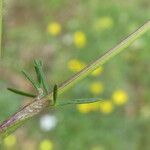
x=66, y=35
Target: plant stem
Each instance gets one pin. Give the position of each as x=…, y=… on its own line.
x=108, y=55
x=1, y=16
x=35, y=107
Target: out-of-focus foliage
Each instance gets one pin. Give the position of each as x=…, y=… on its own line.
x=67, y=35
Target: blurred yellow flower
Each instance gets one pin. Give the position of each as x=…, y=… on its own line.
x=97, y=148
x=46, y=145
x=80, y=39
x=75, y=65
x=54, y=28
x=119, y=97
x=106, y=107
x=94, y=106
x=104, y=23
x=96, y=88
x=85, y=108
x=10, y=141
x=97, y=71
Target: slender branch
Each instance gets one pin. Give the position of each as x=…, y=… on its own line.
x=35, y=107
x=101, y=60
x=1, y=15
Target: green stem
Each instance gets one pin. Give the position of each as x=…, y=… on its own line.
x=35, y=107
x=101, y=60
x=1, y=16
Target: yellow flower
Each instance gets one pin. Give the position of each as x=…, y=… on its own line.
x=85, y=108
x=79, y=39
x=54, y=28
x=97, y=71
x=106, y=107
x=94, y=106
x=119, y=97
x=75, y=65
x=46, y=145
x=104, y=23
x=96, y=88
x=10, y=141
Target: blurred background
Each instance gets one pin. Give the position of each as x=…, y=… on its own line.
x=67, y=35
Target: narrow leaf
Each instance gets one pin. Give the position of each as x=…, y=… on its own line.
x=79, y=101
x=38, y=75
x=30, y=79
x=42, y=75
x=21, y=92
x=37, y=65
x=55, y=94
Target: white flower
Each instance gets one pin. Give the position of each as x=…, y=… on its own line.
x=48, y=122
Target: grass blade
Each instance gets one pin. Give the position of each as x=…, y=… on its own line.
x=41, y=75
x=55, y=94
x=21, y=92
x=38, y=75
x=30, y=79
x=79, y=101
x=37, y=64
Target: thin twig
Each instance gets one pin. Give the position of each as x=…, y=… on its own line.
x=35, y=107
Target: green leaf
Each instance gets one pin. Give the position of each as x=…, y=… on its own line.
x=37, y=65
x=31, y=80
x=38, y=75
x=41, y=75
x=78, y=101
x=21, y=92
x=55, y=94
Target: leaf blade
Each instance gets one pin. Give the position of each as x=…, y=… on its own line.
x=39, y=66
x=79, y=101
x=30, y=79
x=21, y=92
x=55, y=93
